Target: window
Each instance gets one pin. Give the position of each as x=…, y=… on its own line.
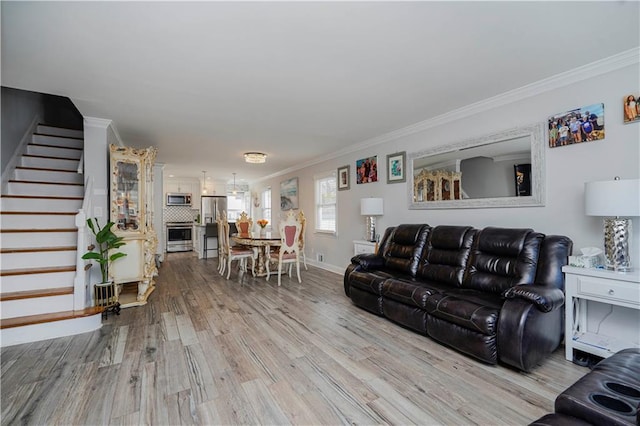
x=236, y=204
x=266, y=205
x=325, y=187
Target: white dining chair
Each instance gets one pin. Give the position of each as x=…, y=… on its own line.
x=289, y=250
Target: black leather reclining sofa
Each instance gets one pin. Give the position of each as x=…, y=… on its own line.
x=495, y=294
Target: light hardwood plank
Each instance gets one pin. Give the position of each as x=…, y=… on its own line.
x=206, y=350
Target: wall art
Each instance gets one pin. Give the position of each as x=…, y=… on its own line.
x=289, y=194
x=367, y=170
x=577, y=125
x=343, y=177
x=395, y=167
x=631, y=107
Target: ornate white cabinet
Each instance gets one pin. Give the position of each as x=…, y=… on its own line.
x=132, y=213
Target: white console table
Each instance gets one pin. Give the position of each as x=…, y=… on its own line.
x=619, y=289
x=363, y=247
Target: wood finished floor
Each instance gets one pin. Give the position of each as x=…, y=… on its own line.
x=205, y=350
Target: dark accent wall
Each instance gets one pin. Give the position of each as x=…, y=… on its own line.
x=20, y=107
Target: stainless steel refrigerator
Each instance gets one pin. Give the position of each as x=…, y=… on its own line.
x=210, y=208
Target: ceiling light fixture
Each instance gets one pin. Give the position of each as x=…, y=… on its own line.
x=255, y=157
x=234, y=185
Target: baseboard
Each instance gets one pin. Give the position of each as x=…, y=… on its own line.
x=327, y=267
x=49, y=330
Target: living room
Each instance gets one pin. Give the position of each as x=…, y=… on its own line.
x=163, y=324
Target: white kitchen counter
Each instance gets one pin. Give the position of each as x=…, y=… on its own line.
x=198, y=244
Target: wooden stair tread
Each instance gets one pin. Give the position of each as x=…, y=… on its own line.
x=39, y=182
x=43, y=270
x=44, y=318
x=45, y=169
x=36, y=249
x=55, y=146
x=58, y=136
x=15, y=231
x=42, y=213
x=42, y=197
x=50, y=157
x=31, y=294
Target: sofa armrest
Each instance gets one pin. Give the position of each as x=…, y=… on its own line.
x=545, y=299
x=368, y=261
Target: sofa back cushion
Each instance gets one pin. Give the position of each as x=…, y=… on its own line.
x=403, y=247
x=446, y=254
x=554, y=254
x=502, y=258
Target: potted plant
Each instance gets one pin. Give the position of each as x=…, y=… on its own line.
x=263, y=224
x=106, y=241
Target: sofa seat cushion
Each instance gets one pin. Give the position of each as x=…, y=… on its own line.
x=411, y=292
x=370, y=281
x=470, y=309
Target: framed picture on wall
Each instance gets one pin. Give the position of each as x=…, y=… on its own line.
x=576, y=126
x=367, y=170
x=343, y=177
x=289, y=194
x=631, y=106
x=395, y=167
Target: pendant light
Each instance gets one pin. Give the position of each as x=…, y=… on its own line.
x=234, y=185
x=204, y=182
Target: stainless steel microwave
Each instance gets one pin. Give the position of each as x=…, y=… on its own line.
x=177, y=199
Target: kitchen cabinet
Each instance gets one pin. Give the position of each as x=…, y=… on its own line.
x=132, y=214
x=184, y=186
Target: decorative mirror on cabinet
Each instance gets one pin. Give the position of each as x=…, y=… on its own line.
x=131, y=212
x=504, y=169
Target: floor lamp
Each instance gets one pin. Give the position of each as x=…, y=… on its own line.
x=616, y=200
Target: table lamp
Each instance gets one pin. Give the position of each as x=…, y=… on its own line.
x=371, y=207
x=619, y=198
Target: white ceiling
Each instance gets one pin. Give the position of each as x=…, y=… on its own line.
x=207, y=81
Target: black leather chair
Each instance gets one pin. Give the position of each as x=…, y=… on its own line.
x=608, y=395
x=211, y=231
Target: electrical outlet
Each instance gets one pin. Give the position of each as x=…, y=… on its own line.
x=320, y=257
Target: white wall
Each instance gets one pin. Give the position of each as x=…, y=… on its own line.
x=567, y=169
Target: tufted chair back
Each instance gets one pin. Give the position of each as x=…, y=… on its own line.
x=244, y=223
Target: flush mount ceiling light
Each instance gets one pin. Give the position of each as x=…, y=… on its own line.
x=255, y=157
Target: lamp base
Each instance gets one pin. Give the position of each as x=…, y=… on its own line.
x=617, y=237
x=370, y=228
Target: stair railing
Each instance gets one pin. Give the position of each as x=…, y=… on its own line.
x=81, y=282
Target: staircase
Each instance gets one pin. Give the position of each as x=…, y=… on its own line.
x=39, y=238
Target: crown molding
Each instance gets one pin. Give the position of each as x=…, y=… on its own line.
x=116, y=134
x=593, y=69
x=102, y=123
x=105, y=124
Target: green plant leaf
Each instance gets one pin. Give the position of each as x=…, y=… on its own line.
x=91, y=255
x=115, y=256
x=90, y=225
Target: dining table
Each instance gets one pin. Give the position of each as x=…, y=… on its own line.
x=262, y=241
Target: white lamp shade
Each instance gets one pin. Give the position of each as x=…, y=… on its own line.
x=371, y=207
x=612, y=198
